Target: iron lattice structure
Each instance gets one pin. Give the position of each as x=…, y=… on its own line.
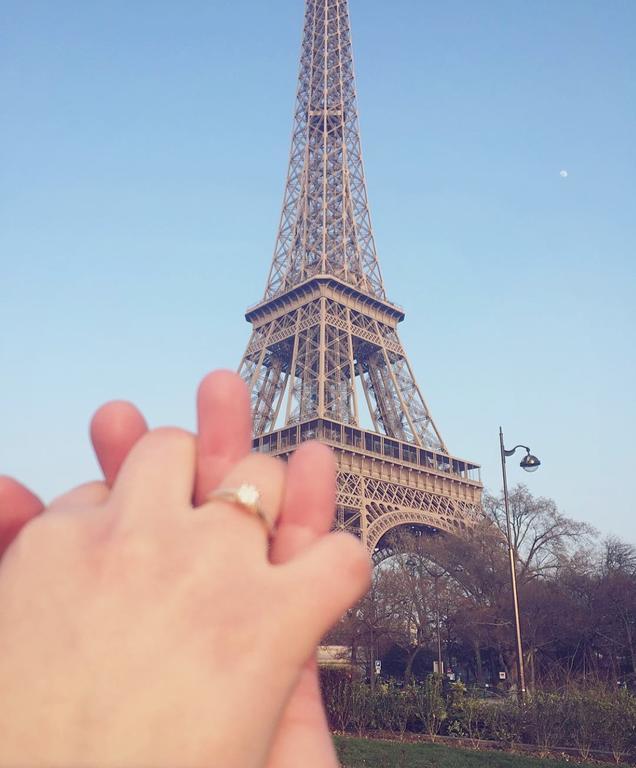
x=325, y=357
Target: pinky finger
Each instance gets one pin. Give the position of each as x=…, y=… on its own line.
x=326, y=580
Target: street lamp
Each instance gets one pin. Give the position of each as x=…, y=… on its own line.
x=529, y=463
x=436, y=575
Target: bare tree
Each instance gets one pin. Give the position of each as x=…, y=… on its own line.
x=542, y=536
x=619, y=556
x=577, y=597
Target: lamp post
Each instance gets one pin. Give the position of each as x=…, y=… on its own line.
x=440, y=663
x=529, y=463
x=436, y=575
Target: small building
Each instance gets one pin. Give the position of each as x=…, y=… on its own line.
x=334, y=656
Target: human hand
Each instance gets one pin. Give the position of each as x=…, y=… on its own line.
x=225, y=435
x=138, y=629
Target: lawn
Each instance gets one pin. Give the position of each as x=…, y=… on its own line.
x=360, y=753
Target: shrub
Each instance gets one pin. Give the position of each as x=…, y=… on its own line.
x=430, y=706
x=336, y=687
x=394, y=707
x=543, y=721
x=619, y=723
x=582, y=716
x=474, y=719
x=455, y=698
x=362, y=707
x=586, y=718
x=504, y=722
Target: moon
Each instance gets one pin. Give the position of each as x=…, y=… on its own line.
x=564, y=174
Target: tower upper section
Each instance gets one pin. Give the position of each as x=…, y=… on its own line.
x=325, y=226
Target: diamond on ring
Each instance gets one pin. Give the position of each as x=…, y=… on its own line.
x=246, y=496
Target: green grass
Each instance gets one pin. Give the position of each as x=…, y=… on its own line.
x=361, y=753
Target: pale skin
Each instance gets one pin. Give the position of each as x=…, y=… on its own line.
x=103, y=537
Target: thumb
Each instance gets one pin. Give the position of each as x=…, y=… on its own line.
x=324, y=582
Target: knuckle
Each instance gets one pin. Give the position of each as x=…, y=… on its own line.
x=50, y=532
x=267, y=466
x=88, y=494
x=172, y=439
x=171, y=435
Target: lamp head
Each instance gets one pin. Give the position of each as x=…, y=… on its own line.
x=530, y=463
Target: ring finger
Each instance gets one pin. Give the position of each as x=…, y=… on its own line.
x=256, y=474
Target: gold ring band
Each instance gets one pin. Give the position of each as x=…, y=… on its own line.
x=248, y=498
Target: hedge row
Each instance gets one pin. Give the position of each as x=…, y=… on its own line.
x=588, y=720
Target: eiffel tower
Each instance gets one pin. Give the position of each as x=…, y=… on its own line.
x=325, y=360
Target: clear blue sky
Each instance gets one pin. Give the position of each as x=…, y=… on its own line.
x=143, y=150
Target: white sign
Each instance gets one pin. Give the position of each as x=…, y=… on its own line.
x=436, y=669
x=502, y=675
x=378, y=666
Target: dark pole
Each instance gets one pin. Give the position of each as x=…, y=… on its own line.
x=440, y=663
x=372, y=661
x=513, y=576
